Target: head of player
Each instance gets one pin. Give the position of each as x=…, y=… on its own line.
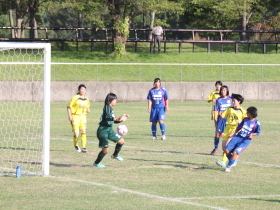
x=224, y=92
x=82, y=90
x=252, y=112
x=237, y=100
x=111, y=99
x=218, y=85
x=157, y=83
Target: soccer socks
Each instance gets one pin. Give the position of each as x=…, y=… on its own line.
x=230, y=163
x=224, y=159
x=100, y=156
x=162, y=127
x=216, y=142
x=84, y=140
x=229, y=156
x=75, y=139
x=154, y=130
x=117, y=149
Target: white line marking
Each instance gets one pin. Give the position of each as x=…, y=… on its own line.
x=179, y=152
x=139, y=193
x=230, y=197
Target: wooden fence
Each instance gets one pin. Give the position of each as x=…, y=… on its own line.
x=192, y=36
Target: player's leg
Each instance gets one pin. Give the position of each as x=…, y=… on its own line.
x=102, y=135
x=221, y=123
x=119, y=143
x=75, y=129
x=161, y=115
x=83, y=125
x=155, y=42
x=153, y=119
x=158, y=40
x=241, y=146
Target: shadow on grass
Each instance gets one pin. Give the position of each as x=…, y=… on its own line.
x=259, y=199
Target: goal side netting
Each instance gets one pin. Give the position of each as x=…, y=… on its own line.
x=24, y=108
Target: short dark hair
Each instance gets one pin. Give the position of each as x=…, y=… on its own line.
x=223, y=87
x=237, y=97
x=157, y=80
x=253, y=111
x=218, y=83
x=81, y=86
x=109, y=98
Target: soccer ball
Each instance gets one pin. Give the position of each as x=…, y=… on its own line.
x=122, y=130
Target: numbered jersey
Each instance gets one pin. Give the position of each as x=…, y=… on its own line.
x=158, y=97
x=79, y=105
x=247, y=127
x=232, y=114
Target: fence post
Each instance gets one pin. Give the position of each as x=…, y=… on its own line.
x=180, y=47
x=236, y=47
x=92, y=46
x=222, y=47
x=208, y=47
x=164, y=46
x=276, y=48
x=249, y=48
x=264, y=48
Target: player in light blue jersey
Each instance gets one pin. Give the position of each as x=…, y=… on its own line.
x=157, y=106
x=221, y=105
x=242, y=136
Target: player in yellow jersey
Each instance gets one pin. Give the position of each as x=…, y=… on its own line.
x=234, y=114
x=213, y=96
x=77, y=109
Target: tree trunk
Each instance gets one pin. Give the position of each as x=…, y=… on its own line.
x=244, y=26
x=153, y=14
x=80, y=24
x=11, y=23
x=20, y=31
x=35, y=29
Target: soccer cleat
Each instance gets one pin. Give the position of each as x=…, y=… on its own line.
x=77, y=148
x=163, y=137
x=213, y=151
x=154, y=138
x=119, y=158
x=84, y=150
x=221, y=163
x=99, y=165
x=235, y=163
x=227, y=170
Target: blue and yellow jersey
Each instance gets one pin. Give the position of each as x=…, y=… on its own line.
x=247, y=127
x=213, y=95
x=79, y=105
x=222, y=104
x=232, y=114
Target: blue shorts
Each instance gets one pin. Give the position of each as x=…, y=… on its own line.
x=221, y=124
x=238, y=144
x=157, y=114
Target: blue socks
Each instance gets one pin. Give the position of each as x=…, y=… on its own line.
x=154, y=130
x=230, y=163
x=162, y=128
x=216, y=142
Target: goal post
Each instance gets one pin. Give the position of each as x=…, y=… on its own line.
x=25, y=72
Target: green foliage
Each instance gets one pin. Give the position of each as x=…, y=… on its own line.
x=119, y=50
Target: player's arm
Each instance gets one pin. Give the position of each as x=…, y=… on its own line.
x=149, y=105
x=210, y=98
x=69, y=113
x=88, y=110
x=224, y=114
x=167, y=104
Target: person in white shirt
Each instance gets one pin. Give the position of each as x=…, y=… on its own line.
x=157, y=35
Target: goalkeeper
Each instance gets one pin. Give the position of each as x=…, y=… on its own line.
x=77, y=109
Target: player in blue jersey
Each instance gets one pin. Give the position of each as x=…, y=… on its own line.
x=157, y=106
x=221, y=105
x=242, y=136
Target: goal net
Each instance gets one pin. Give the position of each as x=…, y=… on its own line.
x=24, y=108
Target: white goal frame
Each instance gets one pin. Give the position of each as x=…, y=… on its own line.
x=46, y=94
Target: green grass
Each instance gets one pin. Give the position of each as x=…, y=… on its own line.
x=177, y=173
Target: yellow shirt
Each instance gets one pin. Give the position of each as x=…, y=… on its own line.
x=79, y=105
x=234, y=114
x=213, y=95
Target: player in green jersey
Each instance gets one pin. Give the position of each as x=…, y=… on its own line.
x=106, y=133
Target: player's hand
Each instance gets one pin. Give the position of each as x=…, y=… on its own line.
x=238, y=121
x=124, y=117
x=149, y=110
x=231, y=134
x=251, y=136
x=167, y=108
x=70, y=118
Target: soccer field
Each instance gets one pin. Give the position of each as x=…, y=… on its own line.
x=177, y=173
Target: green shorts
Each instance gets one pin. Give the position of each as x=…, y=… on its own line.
x=104, y=134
